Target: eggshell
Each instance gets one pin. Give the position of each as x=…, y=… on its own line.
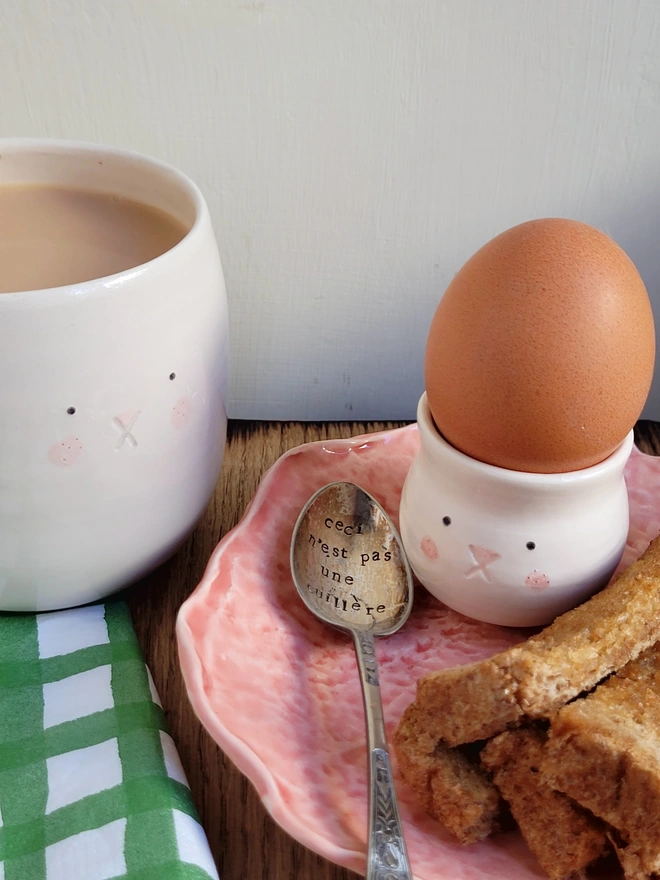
x=540, y=354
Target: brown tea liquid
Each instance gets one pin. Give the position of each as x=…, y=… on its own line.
x=56, y=235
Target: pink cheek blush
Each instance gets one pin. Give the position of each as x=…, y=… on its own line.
x=429, y=548
x=66, y=453
x=181, y=412
x=537, y=581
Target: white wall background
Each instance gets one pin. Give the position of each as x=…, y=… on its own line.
x=354, y=153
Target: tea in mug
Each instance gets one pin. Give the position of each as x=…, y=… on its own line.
x=53, y=235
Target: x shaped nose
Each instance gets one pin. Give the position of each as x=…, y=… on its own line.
x=124, y=424
x=483, y=557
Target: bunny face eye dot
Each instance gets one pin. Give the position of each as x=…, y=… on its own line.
x=446, y=520
x=530, y=545
x=172, y=376
x=71, y=410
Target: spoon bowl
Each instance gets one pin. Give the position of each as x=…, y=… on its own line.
x=350, y=569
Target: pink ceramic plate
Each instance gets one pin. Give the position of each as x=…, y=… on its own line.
x=279, y=691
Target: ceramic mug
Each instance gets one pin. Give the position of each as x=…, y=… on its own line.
x=112, y=395
x=507, y=547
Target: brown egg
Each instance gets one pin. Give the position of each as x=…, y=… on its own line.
x=540, y=354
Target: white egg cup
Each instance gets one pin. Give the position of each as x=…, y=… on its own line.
x=508, y=547
x=112, y=395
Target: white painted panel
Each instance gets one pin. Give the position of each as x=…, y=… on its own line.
x=354, y=153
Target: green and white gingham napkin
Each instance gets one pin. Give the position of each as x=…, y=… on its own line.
x=91, y=786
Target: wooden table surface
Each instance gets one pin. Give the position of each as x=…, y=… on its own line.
x=246, y=843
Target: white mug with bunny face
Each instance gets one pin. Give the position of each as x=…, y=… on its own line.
x=112, y=394
x=507, y=547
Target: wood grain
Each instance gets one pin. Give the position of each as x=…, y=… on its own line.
x=246, y=843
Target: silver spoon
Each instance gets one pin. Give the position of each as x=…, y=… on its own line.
x=349, y=566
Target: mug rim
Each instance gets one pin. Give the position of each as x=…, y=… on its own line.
x=107, y=283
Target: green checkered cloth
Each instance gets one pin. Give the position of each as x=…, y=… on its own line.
x=91, y=786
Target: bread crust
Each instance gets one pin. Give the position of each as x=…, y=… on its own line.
x=604, y=752
x=534, y=679
x=565, y=838
x=451, y=788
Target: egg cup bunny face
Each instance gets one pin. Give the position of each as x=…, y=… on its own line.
x=113, y=399
x=508, y=547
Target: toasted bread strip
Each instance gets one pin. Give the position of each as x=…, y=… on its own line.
x=534, y=679
x=629, y=859
x=447, y=784
x=564, y=838
x=604, y=752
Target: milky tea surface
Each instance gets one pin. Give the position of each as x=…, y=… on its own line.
x=51, y=236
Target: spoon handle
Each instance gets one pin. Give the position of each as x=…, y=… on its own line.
x=387, y=858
